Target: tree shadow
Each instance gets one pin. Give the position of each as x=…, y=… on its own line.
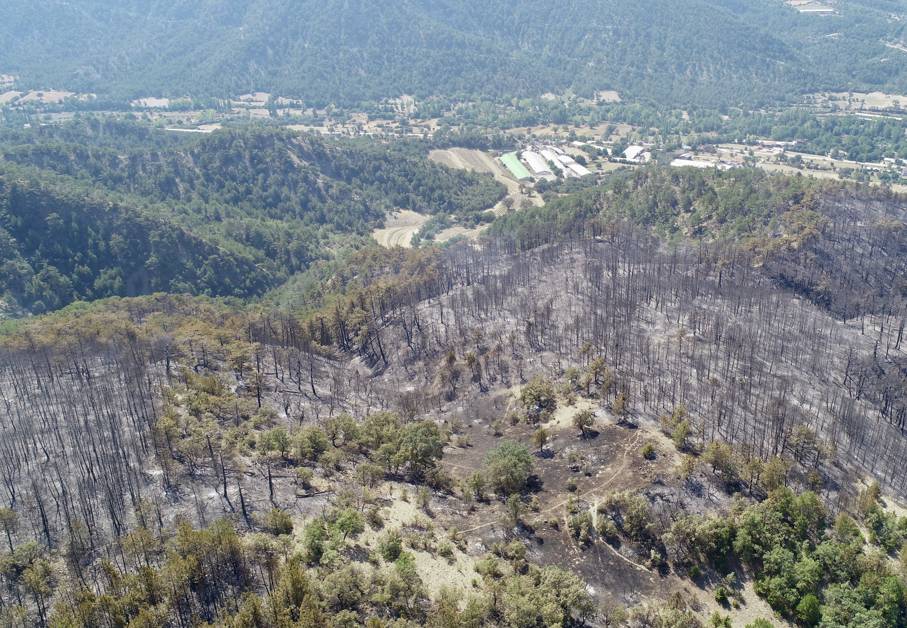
x=534, y=484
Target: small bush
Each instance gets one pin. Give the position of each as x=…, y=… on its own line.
x=374, y=519
x=648, y=451
x=445, y=550
x=391, y=546
x=278, y=522
x=304, y=477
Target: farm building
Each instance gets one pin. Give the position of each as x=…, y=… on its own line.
x=571, y=167
x=578, y=170
x=692, y=163
x=564, y=159
x=537, y=164
x=516, y=168
x=703, y=164
x=637, y=154
x=549, y=155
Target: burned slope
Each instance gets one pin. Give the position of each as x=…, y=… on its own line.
x=847, y=253
x=165, y=409
x=841, y=246
x=751, y=363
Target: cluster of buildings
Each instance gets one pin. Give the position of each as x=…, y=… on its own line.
x=690, y=160
x=546, y=163
x=811, y=7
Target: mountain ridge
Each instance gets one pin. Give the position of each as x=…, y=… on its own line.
x=705, y=51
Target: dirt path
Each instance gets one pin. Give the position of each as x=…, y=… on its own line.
x=628, y=448
x=399, y=229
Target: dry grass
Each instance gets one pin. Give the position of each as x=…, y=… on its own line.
x=400, y=228
x=49, y=97
x=454, y=232
x=8, y=97
x=858, y=101
x=752, y=607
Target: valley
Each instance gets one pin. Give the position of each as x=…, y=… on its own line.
x=453, y=314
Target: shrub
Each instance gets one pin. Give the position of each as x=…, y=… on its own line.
x=607, y=529
x=391, y=545
x=809, y=610
x=583, y=421
x=538, y=399
x=369, y=474
x=276, y=440
x=648, y=451
x=445, y=550
x=278, y=522
x=580, y=526
x=304, y=477
x=508, y=468
x=311, y=442
x=374, y=519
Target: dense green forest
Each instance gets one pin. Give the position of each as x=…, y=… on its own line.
x=98, y=209
x=674, y=202
x=702, y=51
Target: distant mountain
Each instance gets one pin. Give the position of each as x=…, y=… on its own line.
x=707, y=52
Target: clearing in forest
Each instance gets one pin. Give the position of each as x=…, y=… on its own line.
x=399, y=229
x=859, y=101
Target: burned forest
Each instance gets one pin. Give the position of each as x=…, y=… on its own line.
x=458, y=314
x=182, y=460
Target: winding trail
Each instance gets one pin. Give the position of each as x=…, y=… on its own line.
x=630, y=446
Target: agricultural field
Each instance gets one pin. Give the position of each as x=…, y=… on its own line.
x=484, y=162
x=399, y=228
x=41, y=97
x=790, y=162
x=853, y=102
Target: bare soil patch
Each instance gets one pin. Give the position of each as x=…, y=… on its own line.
x=49, y=97
x=400, y=228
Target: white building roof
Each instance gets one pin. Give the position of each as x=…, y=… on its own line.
x=536, y=163
x=549, y=155
x=566, y=159
x=580, y=171
x=692, y=163
x=633, y=152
